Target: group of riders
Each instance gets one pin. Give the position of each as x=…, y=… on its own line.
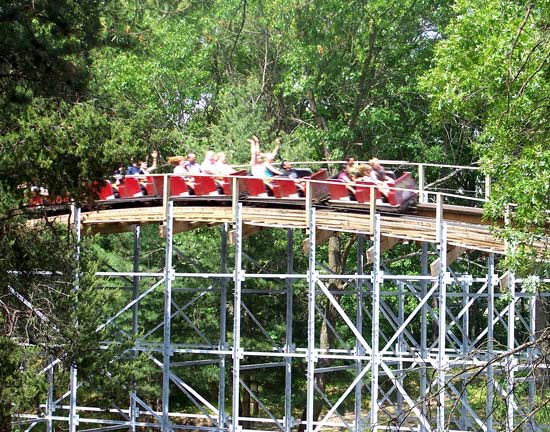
x=262, y=165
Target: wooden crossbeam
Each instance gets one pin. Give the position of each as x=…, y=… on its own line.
x=385, y=245
x=321, y=236
x=452, y=254
x=248, y=230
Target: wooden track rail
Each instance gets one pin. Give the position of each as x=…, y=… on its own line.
x=465, y=226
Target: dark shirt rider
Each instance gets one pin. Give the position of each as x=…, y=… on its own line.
x=288, y=171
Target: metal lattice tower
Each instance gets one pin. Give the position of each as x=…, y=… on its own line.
x=420, y=341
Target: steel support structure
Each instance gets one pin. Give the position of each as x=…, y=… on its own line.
x=420, y=351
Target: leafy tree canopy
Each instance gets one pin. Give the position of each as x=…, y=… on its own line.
x=492, y=85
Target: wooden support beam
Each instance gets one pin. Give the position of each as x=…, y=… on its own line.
x=385, y=245
x=504, y=281
x=321, y=236
x=178, y=227
x=472, y=234
x=248, y=230
x=453, y=252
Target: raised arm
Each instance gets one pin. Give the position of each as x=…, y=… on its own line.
x=276, y=148
x=154, y=155
x=254, y=150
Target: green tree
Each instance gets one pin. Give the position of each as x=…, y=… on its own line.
x=52, y=135
x=116, y=79
x=46, y=49
x=492, y=86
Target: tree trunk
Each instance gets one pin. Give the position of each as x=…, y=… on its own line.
x=5, y=417
x=541, y=310
x=255, y=405
x=245, y=402
x=541, y=324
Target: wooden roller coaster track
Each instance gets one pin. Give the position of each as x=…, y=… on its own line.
x=466, y=226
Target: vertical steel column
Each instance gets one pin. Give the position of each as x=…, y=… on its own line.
x=375, y=331
x=311, y=355
x=50, y=408
x=531, y=355
x=166, y=343
x=359, y=349
x=510, y=360
x=510, y=283
x=223, y=328
x=73, y=385
x=424, y=335
x=442, y=326
x=400, y=348
x=135, y=292
x=289, y=346
x=489, y=409
x=237, y=352
x=421, y=182
x=465, y=351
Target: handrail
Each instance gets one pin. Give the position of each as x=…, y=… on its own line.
x=420, y=168
x=422, y=191
x=382, y=161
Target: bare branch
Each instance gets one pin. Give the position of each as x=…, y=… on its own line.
x=512, y=48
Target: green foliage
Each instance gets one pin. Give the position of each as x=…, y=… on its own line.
x=22, y=385
x=351, y=76
x=491, y=86
x=44, y=49
x=9, y=366
x=63, y=147
x=50, y=135
x=241, y=115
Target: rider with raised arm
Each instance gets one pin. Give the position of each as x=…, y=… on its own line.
x=261, y=165
x=141, y=168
